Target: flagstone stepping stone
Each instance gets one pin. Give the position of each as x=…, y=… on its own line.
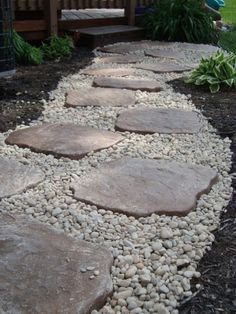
x=107, y=97
x=164, y=67
x=122, y=83
x=109, y=72
x=153, y=120
x=141, y=187
x=68, y=140
x=199, y=47
x=40, y=270
x=120, y=59
x=160, y=53
x=133, y=46
x=16, y=177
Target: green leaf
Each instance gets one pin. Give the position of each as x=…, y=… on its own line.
x=214, y=88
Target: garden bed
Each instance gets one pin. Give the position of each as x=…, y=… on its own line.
x=218, y=280
x=21, y=96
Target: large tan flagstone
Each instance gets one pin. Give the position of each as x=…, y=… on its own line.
x=154, y=120
x=164, y=67
x=120, y=59
x=106, y=97
x=109, y=72
x=16, y=177
x=164, y=53
x=67, y=139
x=131, y=84
x=141, y=187
x=43, y=271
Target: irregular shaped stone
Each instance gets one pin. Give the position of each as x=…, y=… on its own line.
x=164, y=67
x=109, y=72
x=153, y=120
x=40, y=270
x=106, y=97
x=199, y=47
x=133, y=46
x=121, y=83
x=68, y=140
x=121, y=59
x=16, y=177
x=141, y=187
x=161, y=53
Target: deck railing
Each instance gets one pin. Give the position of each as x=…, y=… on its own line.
x=43, y=16
x=37, y=5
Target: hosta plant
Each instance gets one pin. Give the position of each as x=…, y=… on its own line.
x=217, y=71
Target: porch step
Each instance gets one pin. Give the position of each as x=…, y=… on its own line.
x=93, y=37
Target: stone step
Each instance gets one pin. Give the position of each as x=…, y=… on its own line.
x=122, y=83
x=109, y=72
x=154, y=120
x=93, y=37
x=97, y=97
x=45, y=271
x=63, y=140
x=164, y=67
x=141, y=187
x=16, y=177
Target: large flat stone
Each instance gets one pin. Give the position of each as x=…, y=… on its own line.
x=133, y=46
x=199, y=47
x=40, y=270
x=140, y=187
x=107, y=97
x=152, y=120
x=164, y=53
x=122, y=83
x=68, y=140
x=109, y=72
x=16, y=177
x=121, y=59
x=164, y=67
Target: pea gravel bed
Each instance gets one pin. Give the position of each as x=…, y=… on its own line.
x=155, y=257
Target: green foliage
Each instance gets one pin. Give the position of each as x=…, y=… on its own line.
x=24, y=52
x=216, y=71
x=228, y=12
x=57, y=47
x=227, y=39
x=180, y=20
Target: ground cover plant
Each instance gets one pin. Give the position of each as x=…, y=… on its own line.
x=180, y=20
x=215, y=72
x=57, y=47
x=53, y=48
x=25, y=53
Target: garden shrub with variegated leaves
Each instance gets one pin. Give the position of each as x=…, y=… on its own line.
x=216, y=71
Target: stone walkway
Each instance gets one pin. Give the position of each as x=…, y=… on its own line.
x=122, y=200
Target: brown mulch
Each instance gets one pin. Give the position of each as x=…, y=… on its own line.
x=20, y=95
x=218, y=267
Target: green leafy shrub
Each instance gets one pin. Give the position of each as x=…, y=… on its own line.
x=180, y=20
x=24, y=52
x=216, y=71
x=57, y=47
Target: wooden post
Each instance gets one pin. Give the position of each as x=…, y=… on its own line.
x=50, y=11
x=130, y=11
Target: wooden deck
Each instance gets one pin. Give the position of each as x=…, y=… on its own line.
x=91, y=14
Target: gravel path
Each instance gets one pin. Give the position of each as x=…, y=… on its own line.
x=157, y=256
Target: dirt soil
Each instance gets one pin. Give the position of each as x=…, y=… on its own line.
x=21, y=95
x=217, y=294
